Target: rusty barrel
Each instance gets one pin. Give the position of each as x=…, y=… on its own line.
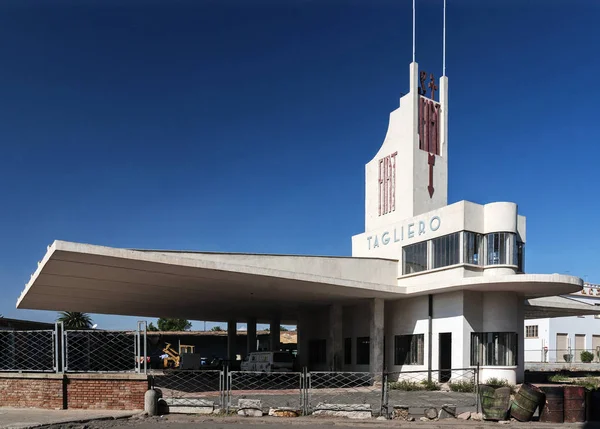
x=494, y=402
x=574, y=407
x=552, y=410
x=527, y=399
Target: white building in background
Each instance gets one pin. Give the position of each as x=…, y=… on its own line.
x=430, y=286
x=562, y=339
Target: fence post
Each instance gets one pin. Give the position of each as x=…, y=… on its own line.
x=65, y=348
x=228, y=387
x=384, y=396
x=56, y=346
x=477, y=387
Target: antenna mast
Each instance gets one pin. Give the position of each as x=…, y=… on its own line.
x=443, y=43
x=414, y=34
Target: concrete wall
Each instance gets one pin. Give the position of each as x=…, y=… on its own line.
x=74, y=391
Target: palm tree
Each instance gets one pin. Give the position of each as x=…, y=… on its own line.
x=75, y=320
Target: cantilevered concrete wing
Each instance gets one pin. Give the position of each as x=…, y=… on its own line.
x=557, y=306
x=206, y=286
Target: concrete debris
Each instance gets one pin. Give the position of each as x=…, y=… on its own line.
x=477, y=416
x=464, y=416
x=284, y=412
x=431, y=413
x=250, y=412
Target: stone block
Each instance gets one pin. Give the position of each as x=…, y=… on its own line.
x=477, y=416
x=250, y=412
x=447, y=412
x=430, y=413
x=347, y=414
x=250, y=403
x=401, y=412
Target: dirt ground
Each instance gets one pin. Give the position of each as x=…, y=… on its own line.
x=200, y=422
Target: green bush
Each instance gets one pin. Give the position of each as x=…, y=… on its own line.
x=406, y=385
x=462, y=386
x=558, y=378
x=586, y=356
x=499, y=382
x=430, y=385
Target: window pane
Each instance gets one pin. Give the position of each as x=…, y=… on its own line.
x=362, y=350
x=494, y=348
x=446, y=250
x=409, y=349
x=520, y=257
x=415, y=258
x=472, y=248
x=499, y=248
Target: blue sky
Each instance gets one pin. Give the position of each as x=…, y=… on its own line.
x=245, y=126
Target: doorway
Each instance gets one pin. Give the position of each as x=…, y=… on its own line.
x=445, y=357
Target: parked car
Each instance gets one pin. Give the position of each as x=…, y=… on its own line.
x=268, y=362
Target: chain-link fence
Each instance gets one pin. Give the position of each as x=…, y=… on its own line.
x=190, y=388
x=33, y=351
x=100, y=351
x=419, y=389
x=272, y=389
x=345, y=388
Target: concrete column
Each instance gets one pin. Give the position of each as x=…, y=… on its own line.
x=275, y=334
x=303, y=333
x=335, y=349
x=377, y=336
x=251, y=336
x=231, y=337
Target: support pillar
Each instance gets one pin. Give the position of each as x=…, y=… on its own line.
x=377, y=336
x=335, y=349
x=302, y=338
x=251, y=336
x=231, y=337
x=275, y=334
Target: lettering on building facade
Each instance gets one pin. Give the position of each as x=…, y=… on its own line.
x=409, y=231
x=387, y=184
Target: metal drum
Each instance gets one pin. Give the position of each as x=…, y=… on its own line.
x=494, y=402
x=553, y=409
x=574, y=404
x=527, y=399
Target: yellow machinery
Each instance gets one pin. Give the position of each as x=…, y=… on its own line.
x=173, y=358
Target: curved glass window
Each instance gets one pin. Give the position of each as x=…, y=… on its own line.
x=500, y=248
x=494, y=348
x=473, y=248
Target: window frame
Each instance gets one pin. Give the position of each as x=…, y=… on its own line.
x=416, y=267
x=412, y=356
x=445, y=242
x=480, y=353
x=533, y=329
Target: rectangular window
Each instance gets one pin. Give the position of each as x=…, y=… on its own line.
x=348, y=351
x=494, y=348
x=362, y=350
x=531, y=331
x=415, y=258
x=520, y=257
x=317, y=351
x=473, y=248
x=499, y=248
x=409, y=349
x=446, y=250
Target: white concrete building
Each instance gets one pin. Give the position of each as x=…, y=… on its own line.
x=429, y=285
x=562, y=339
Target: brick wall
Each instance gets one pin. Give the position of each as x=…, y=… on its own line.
x=103, y=394
x=82, y=391
x=26, y=392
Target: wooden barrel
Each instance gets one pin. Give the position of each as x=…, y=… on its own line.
x=494, y=402
x=552, y=410
x=527, y=399
x=574, y=407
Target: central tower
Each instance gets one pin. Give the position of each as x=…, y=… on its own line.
x=409, y=174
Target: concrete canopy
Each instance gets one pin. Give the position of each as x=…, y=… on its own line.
x=199, y=286
x=557, y=306
x=230, y=286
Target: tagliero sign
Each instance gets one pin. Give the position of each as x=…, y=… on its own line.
x=411, y=230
